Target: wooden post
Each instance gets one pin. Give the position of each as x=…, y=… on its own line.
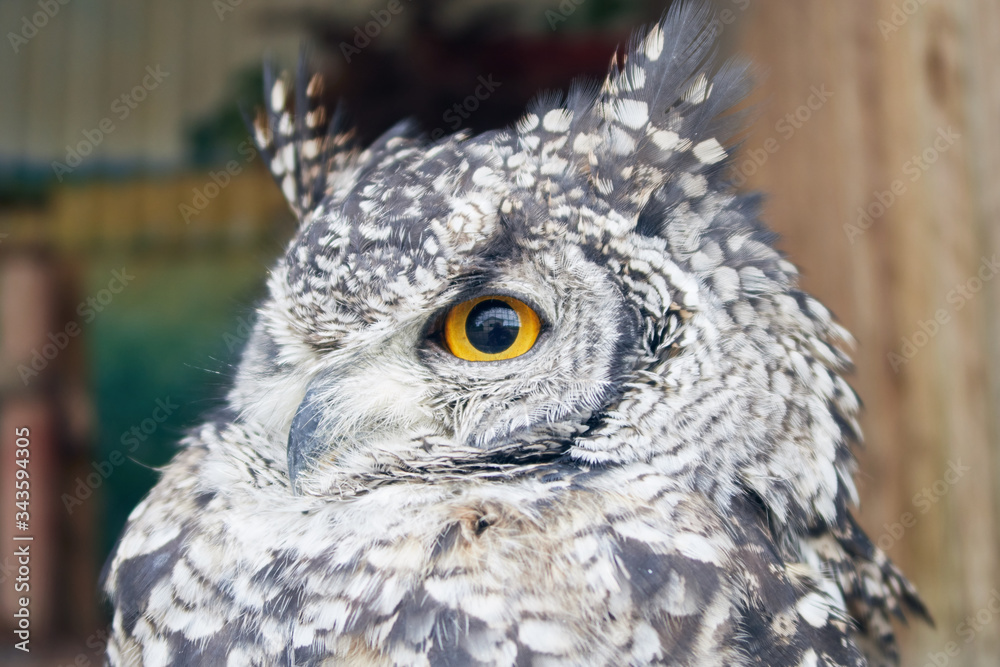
x=27, y=308
x=887, y=195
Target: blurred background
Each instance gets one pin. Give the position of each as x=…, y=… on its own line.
x=137, y=223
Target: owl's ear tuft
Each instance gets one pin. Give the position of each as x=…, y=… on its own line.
x=668, y=113
x=301, y=138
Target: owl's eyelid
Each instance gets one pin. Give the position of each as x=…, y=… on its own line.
x=436, y=321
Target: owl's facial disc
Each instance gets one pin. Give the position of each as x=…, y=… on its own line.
x=493, y=328
x=373, y=403
x=527, y=354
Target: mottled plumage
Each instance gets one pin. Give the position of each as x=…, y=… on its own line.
x=664, y=478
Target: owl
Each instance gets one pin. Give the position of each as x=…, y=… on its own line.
x=545, y=396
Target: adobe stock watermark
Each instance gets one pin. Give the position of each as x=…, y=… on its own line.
x=97, y=642
x=235, y=341
x=58, y=340
x=218, y=181
x=130, y=441
x=923, y=501
x=462, y=110
x=38, y=20
x=121, y=108
x=363, y=36
x=727, y=16
x=899, y=17
x=786, y=128
x=562, y=13
x=223, y=7
x=967, y=630
x=957, y=298
x=912, y=171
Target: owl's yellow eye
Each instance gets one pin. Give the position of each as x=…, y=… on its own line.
x=491, y=328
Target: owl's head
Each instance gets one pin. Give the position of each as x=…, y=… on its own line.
x=584, y=287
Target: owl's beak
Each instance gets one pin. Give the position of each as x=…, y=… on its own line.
x=304, y=447
x=348, y=416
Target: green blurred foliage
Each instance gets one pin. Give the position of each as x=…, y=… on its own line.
x=172, y=335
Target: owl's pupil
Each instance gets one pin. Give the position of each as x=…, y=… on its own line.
x=492, y=326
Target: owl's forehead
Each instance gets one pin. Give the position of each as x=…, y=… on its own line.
x=418, y=217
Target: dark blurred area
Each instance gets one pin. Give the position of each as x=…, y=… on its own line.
x=137, y=225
